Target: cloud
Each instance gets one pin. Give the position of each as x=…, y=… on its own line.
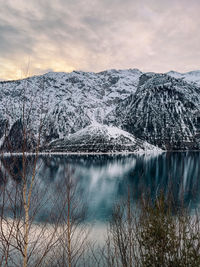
x=63, y=35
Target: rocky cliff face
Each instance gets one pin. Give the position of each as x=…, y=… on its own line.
x=164, y=111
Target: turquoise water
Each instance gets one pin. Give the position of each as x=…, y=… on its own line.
x=101, y=180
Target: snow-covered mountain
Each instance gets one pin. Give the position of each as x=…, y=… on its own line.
x=67, y=101
x=100, y=138
x=163, y=109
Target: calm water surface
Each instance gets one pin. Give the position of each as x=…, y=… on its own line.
x=101, y=180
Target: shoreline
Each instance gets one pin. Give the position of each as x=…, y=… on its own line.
x=8, y=154
x=148, y=152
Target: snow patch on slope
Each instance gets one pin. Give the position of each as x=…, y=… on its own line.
x=190, y=77
x=101, y=138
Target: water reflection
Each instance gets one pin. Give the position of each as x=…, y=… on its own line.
x=103, y=179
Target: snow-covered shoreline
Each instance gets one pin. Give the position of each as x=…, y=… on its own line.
x=8, y=154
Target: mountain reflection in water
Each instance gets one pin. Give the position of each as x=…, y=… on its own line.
x=104, y=179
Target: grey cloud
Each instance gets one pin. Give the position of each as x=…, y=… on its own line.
x=148, y=34
x=13, y=39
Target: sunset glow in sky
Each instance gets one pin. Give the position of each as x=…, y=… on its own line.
x=94, y=35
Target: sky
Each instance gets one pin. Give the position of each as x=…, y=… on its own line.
x=38, y=36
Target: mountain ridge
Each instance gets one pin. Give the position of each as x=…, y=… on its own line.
x=69, y=102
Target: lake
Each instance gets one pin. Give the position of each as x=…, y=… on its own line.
x=85, y=188
x=101, y=180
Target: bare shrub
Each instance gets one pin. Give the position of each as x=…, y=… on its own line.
x=156, y=234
